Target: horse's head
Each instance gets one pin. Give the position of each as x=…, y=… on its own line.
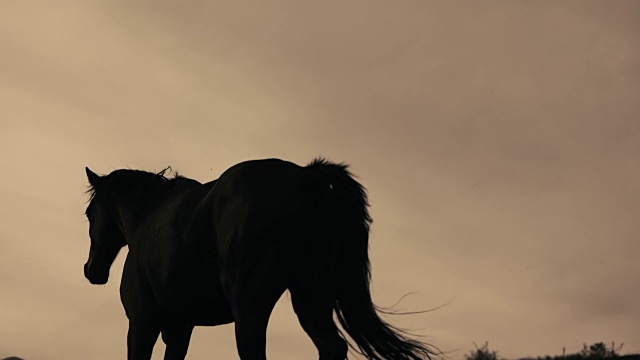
x=104, y=229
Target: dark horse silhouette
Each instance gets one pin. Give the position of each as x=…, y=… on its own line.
x=225, y=251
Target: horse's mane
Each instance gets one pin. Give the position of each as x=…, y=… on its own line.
x=127, y=179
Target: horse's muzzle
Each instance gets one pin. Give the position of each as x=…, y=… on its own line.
x=95, y=276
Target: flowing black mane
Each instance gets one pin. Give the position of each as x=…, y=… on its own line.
x=130, y=179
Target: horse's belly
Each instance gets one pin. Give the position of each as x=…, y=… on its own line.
x=186, y=288
x=198, y=298
x=211, y=311
x=208, y=306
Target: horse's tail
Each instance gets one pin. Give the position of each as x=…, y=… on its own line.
x=348, y=210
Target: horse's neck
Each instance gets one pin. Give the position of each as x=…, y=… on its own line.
x=129, y=222
x=160, y=209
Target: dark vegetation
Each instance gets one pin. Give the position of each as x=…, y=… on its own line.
x=595, y=351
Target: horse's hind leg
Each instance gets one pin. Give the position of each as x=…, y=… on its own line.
x=252, y=313
x=315, y=313
x=177, y=338
x=141, y=338
x=253, y=290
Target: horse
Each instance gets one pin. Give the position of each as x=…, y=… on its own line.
x=225, y=251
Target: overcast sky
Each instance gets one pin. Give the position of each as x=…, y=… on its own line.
x=499, y=141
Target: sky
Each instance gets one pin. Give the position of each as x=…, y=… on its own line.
x=499, y=142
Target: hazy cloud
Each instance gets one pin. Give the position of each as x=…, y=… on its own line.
x=499, y=142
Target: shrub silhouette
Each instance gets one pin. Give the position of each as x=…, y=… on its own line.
x=482, y=353
x=600, y=351
x=596, y=351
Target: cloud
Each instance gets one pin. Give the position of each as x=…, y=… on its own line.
x=498, y=142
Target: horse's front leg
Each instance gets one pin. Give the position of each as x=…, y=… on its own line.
x=177, y=338
x=141, y=338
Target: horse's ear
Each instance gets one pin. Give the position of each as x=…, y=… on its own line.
x=94, y=179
